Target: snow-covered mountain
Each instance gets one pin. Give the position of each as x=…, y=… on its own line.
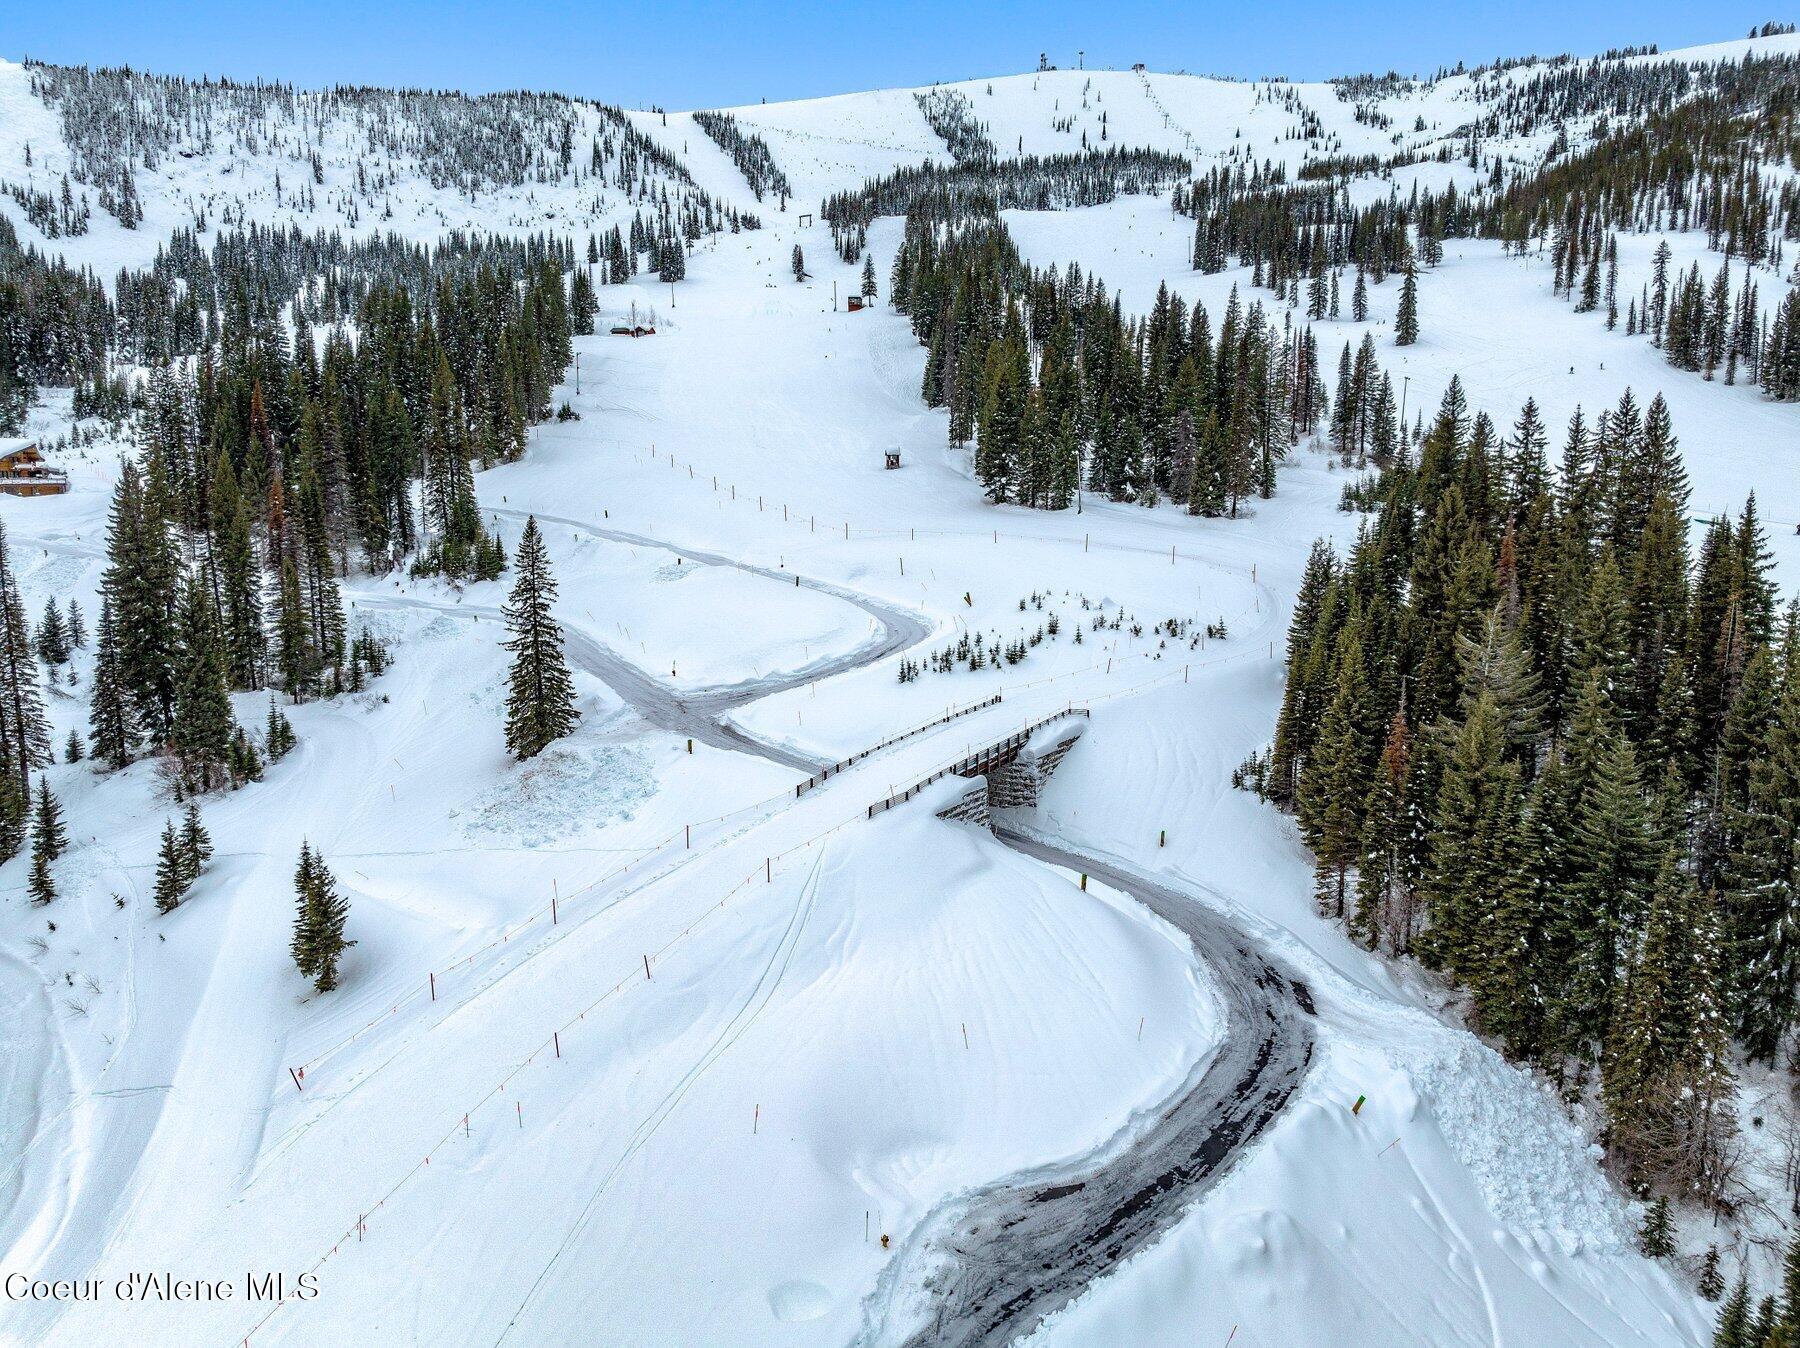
x=676, y=1032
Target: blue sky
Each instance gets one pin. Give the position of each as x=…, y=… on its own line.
x=682, y=53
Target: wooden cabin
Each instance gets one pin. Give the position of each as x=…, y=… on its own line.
x=893, y=458
x=856, y=304
x=23, y=471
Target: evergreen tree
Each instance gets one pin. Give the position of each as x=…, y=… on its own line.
x=1733, y=1328
x=201, y=735
x=111, y=732
x=196, y=843
x=540, y=705
x=24, y=733
x=1657, y=1236
x=1406, y=318
x=47, y=832
x=1710, y=1282
x=1472, y=830
x=171, y=871
x=320, y=914
x=53, y=644
x=141, y=585
x=1762, y=874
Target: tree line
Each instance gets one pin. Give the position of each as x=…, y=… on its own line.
x=1060, y=391
x=1534, y=743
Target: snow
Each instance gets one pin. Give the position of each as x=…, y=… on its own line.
x=704, y=1030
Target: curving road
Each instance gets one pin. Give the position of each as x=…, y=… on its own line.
x=703, y=713
x=996, y=1261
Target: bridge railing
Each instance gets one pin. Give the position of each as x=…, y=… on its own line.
x=834, y=769
x=975, y=760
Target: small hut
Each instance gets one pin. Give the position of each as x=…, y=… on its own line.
x=23, y=471
x=893, y=458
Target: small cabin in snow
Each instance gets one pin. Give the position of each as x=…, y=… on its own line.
x=23, y=471
x=856, y=304
x=893, y=458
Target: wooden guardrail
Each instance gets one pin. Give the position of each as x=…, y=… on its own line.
x=974, y=760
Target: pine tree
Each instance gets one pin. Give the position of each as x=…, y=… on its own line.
x=1762, y=874
x=320, y=914
x=868, y=277
x=1733, y=1328
x=201, y=734
x=1656, y=1239
x=41, y=885
x=141, y=585
x=196, y=843
x=24, y=733
x=278, y=733
x=52, y=636
x=171, y=871
x=1335, y=784
x=799, y=264
x=111, y=732
x=1406, y=318
x=77, y=627
x=47, y=831
x=73, y=749
x=540, y=705
x=1392, y=847
x=48, y=841
x=1472, y=830
x=1710, y=1282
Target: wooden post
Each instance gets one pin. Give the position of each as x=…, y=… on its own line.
x=519, y=1111
x=687, y=832
x=756, y=1121
x=646, y=968
x=1162, y=837
x=768, y=871
x=553, y=897
x=433, y=978
x=556, y=1039
x=296, y=1076
x=1084, y=880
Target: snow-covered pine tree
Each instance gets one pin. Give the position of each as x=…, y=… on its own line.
x=320, y=914
x=540, y=705
x=201, y=735
x=53, y=643
x=24, y=733
x=171, y=871
x=196, y=843
x=111, y=733
x=1406, y=317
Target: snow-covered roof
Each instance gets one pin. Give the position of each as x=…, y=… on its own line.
x=12, y=444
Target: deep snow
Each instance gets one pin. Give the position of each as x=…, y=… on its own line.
x=736, y=1058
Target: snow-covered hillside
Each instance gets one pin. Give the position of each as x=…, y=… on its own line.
x=638, y=1043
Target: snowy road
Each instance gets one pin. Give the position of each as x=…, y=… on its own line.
x=1026, y=1246
x=703, y=713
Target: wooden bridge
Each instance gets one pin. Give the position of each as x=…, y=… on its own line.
x=1008, y=772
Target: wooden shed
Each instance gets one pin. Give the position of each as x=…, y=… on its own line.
x=893, y=458
x=23, y=471
x=856, y=304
